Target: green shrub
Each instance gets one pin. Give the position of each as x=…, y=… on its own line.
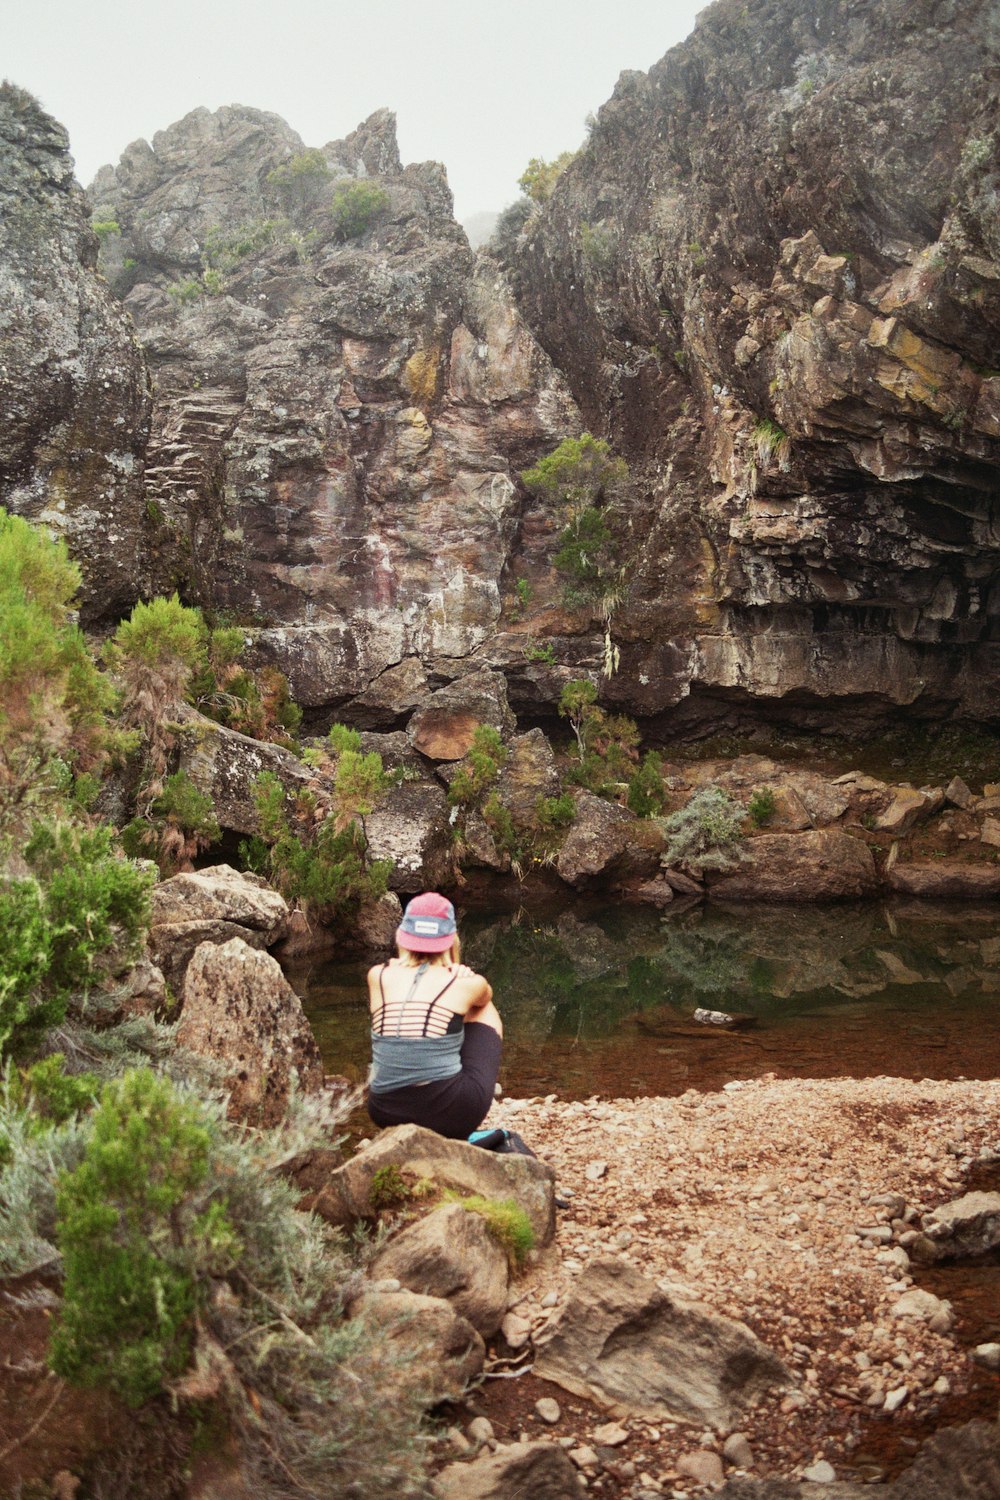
x=84, y=912
x=105, y=228
x=188, y=290
x=52, y=697
x=761, y=806
x=539, y=651
x=507, y=1222
x=298, y=181
x=706, y=832
x=341, y=738
x=356, y=206
x=128, y=1240
x=597, y=243
x=579, y=472
x=56, y=1095
x=387, y=1190
x=555, y=812
x=181, y=822
x=645, y=789
x=479, y=768
x=329, y=869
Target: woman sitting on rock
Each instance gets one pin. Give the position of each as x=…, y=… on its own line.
x=436, y=1034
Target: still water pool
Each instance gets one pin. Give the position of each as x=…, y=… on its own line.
x=601, y=1000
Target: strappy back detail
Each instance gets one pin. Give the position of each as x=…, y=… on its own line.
x=431, y=1025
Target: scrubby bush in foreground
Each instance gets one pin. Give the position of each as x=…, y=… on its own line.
x=190, y=1273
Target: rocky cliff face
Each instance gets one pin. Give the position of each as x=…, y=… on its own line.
x=772, y=277
x=72, y=376
x=339, y=411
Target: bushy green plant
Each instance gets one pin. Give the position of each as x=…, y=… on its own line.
x=129, y=1240
x=646, y=795
x=180, y=823
x=52, y=697
x=597, y=243
x=539, y=651
x=580, y=472
x=478, y=769
x=105, y=228
x=299, y=180
x=340, y=738
x=706, y=832
x=359, y=783
x=86, y=910
x=356, y=206
x=187, y=290
x=761, y=806
x=55, y=1095
x=328, y=868
x=584, y=476
x=553, y=813
x=388, y=1189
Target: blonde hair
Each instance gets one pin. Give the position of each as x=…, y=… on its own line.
x=413, y=960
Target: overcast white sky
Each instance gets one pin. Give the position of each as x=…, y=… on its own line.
x=481, y=85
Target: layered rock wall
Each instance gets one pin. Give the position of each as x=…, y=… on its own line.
x=73, y=386
x=339, y=415
x=771, y=276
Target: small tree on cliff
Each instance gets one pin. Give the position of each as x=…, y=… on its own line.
x=539, y=177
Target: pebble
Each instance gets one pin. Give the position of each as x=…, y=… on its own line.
x=584, y=1457
x=703, y=1465
x=516, y=1330
x=820, y=1473
x=551, y=1299
x=610, y=1435
x=548, y=1409
x=480, y=1431
x=895, y=1398
x=736, y=1450
x=595, y=1170
x=988, y=1355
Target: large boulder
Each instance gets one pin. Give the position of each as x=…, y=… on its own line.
x=240, y=1012
x=605, y=843
x=966, y=1226
x=451, y=1253
x=213, y=905
x=346, y=1196
x=907, y=808
x=220, y=893
x=442, y=728
x=529, y=773
x=225, y=764
x=434, y=1350
x=541, y=1471
x=623, y=1341
x=410, y=826
x=824, y=864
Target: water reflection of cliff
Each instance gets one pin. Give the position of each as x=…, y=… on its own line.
x=592, y=973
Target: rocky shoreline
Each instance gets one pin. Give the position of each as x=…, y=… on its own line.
x=781, y=1204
